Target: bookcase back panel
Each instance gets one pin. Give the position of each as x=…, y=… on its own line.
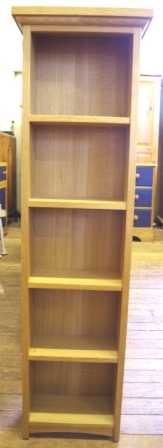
x=73, y=378
x=74, y=75
x=79, y=162
x=76, y=239
x=59, y=312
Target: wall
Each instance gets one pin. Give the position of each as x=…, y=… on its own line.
x=11, y=57
x=11, y=80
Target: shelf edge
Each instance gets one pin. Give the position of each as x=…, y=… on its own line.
x=71, y=355
x=73, y=283
x=79, y=120
x=77, y=203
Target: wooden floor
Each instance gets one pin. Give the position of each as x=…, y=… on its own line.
x=142, y=413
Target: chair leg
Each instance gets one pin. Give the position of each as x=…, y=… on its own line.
x=4, y=251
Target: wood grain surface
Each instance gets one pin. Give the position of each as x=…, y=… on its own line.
x=142, y=405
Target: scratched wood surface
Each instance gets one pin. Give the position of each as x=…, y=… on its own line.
x=142, y=409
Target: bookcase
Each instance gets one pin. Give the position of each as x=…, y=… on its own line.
x=147, y=156
x=80, y=95
x=8, y=155
x=3, y=194
x=159, y=196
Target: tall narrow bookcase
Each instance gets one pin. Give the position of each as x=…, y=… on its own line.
x=80, y=95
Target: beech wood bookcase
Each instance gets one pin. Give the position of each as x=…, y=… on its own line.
x=80, y=98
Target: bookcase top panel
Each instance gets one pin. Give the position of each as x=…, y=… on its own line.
x=111, y=17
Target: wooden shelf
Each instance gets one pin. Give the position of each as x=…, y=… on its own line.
x=147, y=164
x=78, y=172
x=142, y=208
x=75, y=279
x=71, y=413
x=77, y=203
x=78, y=120
x=73, y=348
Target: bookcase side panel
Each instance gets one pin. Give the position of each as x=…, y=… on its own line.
x=126, y=260
x=33, y=77
x=25, y=252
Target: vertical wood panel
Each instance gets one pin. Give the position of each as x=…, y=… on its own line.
x=79, y=162
x=25, y=262
x=128, y=230
x=75, y=312
x=93, y=64
x=76, y=239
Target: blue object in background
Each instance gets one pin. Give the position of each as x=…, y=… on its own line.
x=144, y=218
x=146, y=177
x=145, y=197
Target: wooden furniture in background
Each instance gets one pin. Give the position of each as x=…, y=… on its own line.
x=147, y=156
x=159, y=201
x=3, y=193
x=8, y=155
x=78, y=168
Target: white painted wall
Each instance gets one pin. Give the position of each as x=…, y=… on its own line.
x=11, y=80
x=11, y=56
